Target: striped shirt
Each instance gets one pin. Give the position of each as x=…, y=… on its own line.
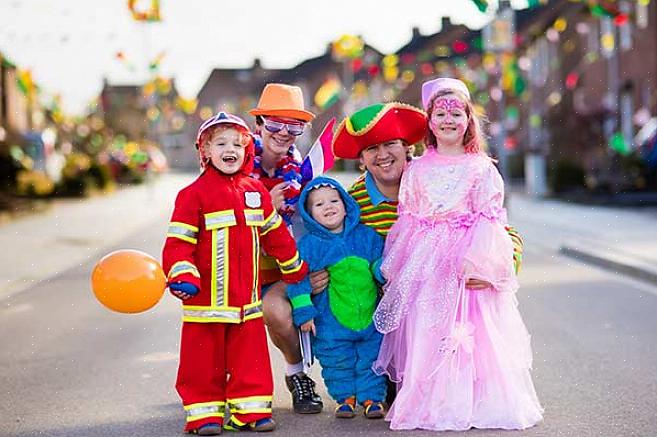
x=380, y=213
x=376, y=211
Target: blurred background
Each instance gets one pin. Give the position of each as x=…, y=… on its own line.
x=100, y=102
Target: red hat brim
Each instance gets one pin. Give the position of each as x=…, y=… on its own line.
x=395, y=121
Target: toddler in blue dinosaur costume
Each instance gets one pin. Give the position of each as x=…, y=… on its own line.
x=345, y=340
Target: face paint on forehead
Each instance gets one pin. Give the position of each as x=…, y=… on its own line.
x=449, y=104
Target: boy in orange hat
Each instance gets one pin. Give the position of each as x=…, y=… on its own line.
x=280, y=119
x=211, y=255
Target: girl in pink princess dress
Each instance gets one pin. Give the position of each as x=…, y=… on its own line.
x=454, y=340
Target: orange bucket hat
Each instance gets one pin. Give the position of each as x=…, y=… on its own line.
x=283, y=101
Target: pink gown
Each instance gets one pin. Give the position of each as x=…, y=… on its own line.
x=461, y=357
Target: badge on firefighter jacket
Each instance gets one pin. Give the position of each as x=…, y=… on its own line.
x=252, y=199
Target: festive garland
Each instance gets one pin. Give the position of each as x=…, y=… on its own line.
x=151, y=14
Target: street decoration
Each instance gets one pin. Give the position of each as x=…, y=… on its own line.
x=618, y=144
x=328, y=93
x=26, y=83
x=128, y=281
x=154, y=65
x=482, y=5
x=348, y=47
x=151, y=14
x=122, y=58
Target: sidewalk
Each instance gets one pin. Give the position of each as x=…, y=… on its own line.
x=70, y=233
x=623, y=240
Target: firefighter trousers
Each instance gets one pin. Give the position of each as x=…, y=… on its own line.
x=224, y=367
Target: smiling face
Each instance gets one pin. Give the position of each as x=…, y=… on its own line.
x=226, y=150
x=278, y=143
x=327, y=208
x=385, y=161
x=449, y=121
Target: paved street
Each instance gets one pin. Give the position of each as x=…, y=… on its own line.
x=70, y=367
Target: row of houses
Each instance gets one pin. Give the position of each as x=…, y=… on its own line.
x=583, y=83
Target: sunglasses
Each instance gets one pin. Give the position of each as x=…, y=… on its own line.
x=294, y=129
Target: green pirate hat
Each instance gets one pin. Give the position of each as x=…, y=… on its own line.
x=377, y=124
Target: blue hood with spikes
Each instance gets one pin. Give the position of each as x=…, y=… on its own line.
x=353, y=211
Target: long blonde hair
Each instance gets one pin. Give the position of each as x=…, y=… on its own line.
x=473, y=139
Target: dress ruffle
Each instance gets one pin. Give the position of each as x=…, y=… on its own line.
x=461, y=357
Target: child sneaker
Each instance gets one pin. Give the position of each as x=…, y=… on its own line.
x=208, y=429
x=346, y=408
x=373, y=410
x=263, y=425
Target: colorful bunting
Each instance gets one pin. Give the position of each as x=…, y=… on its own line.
x=155, y=63
x=348, y=47
x=152, y=14
x=328, y=93
x=617, y=143
x=482, y=5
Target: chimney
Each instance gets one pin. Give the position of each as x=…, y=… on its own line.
x=416, y=33
x=445, y=24
x=257, y=65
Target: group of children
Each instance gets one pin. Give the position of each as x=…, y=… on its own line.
x=402, y=309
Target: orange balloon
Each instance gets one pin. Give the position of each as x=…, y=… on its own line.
x=128, y=281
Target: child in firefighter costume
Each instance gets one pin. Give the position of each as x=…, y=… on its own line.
x=345, y=342
x=211, y=256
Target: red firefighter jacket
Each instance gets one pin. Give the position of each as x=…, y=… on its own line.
x=214, y=237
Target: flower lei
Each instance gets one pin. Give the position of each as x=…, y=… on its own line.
x=287, y=170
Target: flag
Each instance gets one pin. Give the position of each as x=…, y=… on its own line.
x=536, y=3
x=155, y=63
x=328, y=93
x=320, y=157
x=151, y=14
x=482, y=5
x=604, y=9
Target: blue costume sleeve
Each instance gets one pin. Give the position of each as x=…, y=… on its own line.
x=375, y=268
x=299, y=294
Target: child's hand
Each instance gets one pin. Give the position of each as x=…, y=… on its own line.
x=318, y=281
x=278, y=196
x=477, y=284
x=308, y=326
x=183, y=290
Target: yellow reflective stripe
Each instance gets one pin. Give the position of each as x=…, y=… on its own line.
x=254, y=217
x=225, y=263
x=236, y=421
x=272, y=222
x=185, y=226
x=182, y=267
x=254, y=261
x=212, y=315
x=219, y=270
x=183, y=231
x=253, y=311
x=252, y=404
x=220, y=219
x=292, y=265
x=204, y=410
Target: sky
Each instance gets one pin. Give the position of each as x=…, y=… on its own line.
x=71, y=45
